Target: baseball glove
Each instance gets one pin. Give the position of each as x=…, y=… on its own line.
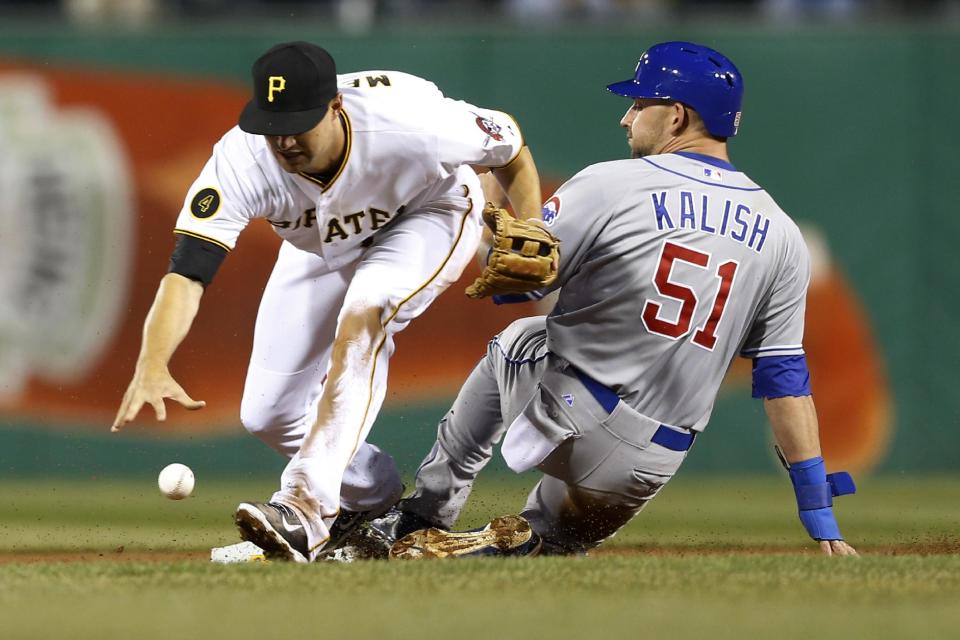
x=523, y=256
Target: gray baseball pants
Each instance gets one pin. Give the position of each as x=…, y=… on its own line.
x=602, y=473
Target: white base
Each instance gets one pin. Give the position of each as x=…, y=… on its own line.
x=237, y=553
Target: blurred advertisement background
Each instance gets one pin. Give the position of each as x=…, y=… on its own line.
x=108, y=110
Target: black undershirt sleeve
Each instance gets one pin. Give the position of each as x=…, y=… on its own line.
x=196, y=259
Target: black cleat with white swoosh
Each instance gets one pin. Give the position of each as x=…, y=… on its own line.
x=275, y=528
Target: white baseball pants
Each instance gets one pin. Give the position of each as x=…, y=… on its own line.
x=410, y=263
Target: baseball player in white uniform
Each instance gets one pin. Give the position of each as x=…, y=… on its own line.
x=368, y=179
x=672, y=264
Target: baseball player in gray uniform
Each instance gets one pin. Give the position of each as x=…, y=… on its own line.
x=368, y=177
x=672, y=264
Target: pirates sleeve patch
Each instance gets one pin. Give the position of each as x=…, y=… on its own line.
x=205, y=204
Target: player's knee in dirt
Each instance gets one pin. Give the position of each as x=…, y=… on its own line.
x=574, y=519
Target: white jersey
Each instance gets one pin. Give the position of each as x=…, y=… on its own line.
x=671, y=266
x=405, y=143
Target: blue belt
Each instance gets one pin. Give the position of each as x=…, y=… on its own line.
x=608, y=399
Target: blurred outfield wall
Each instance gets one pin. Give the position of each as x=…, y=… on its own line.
x=101, y=133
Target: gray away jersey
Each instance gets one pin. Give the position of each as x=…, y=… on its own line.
x=670, y=266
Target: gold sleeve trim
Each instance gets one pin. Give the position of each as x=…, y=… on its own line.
x=200, y=236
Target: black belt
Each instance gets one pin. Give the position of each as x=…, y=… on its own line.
x=665, y=435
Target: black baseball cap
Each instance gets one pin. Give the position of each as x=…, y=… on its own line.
x=293, y=84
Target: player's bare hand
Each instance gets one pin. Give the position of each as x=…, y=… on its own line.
x=837, y=548
x=152, y=387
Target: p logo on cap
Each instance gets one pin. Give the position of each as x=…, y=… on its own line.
x=293, y=86
x=278, y=84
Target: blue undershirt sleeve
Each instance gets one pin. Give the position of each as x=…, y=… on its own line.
x=780, y=376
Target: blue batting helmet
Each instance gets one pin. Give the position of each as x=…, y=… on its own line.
x=692, y=74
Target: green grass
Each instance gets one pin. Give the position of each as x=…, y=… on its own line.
x=721, y=597
x=693, y=511
x=658, y=578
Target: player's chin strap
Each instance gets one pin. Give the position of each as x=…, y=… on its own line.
x=815, y=490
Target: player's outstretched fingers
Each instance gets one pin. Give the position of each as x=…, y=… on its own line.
x=186, y=401
x=160, y=408
x=118, y=419
x=129, y=409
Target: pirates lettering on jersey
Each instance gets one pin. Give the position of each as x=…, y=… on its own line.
x=360, y=222
x=734, y=220
x=307, y=220
x=340, y=228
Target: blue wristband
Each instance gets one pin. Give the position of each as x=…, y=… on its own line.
x=815, y=499
x=821, y=524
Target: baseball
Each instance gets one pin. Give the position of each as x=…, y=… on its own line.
x=176, y=481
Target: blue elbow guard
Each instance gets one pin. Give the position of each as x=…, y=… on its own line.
x=815, y=491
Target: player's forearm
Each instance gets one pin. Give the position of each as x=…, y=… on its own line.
x=795, y=427
x=794, y=422
x=521, y=182
x=169, y=319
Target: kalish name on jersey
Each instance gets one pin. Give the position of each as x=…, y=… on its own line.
x=699, y=212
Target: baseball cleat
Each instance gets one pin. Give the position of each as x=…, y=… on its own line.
x=504, y=536
x=238, y=553
x=372, y=540
x=343, y=526
x=348, y=529
x=275, y=528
